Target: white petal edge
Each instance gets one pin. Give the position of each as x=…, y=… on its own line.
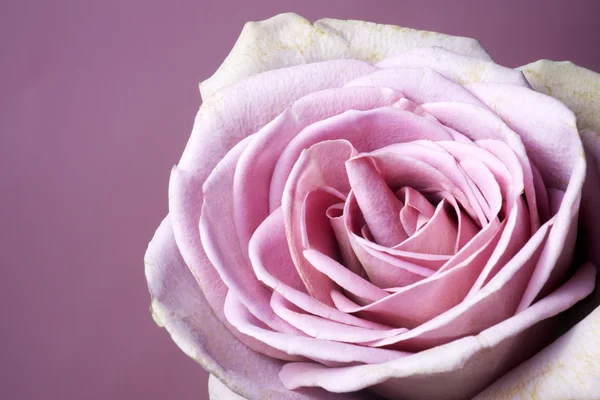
x=289, y=39
x=218, y=391
x=567, y=369
x=577, y=87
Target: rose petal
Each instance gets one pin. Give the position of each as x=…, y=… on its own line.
x=179, y=305
x=207, y=277
x=546, y=127
x=296, y=344
x=345, y=278
x=465, y=366
x=548, y=131
x=218, y=391
x=335, y=214
x=417, y=209
x=217, y=228
x=497, y=302
x=366, y=130
x=378, y=204
x=513, y=238
x=321, y=165
x=241, y=106
x=415, y=304
x=567, y=369
x=457, y=67
x=438, y=236
x=429, y=157
x=421, y=85
x=322, y=328
x=480, y=124
x=383, y=269
x=288, y=39
x=317, y=232
x=255, y=167
x=577, y=87
x=269, y=244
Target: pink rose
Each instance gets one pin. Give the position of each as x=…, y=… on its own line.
x=365, y=210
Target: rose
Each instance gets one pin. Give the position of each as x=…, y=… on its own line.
x=407, y=228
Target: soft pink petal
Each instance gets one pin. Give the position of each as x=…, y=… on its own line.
x=472, y=240
x=179, y=305
x=486, y=184
x=478, y=124
x=546, y=127
x=336, y=218
x=217, y=230
x=421, y=85
x=417, y=209
x=438, y=236
x=466, y=366
x=549, y=132
x=513, y=238
x=457, y=67
x=378, y=204
x=366, y=130
x=383, y=269
x=467, y=229
x=425, y=162
x=272, y=264
x=320, y=165
x=415, y=304
x=183, y=209
x=322, y=328
x=345, y=278
x=497, y=302
x=499, y=160
x=317, y=232
x=256, y=166
x=241, y=106
x=296, y=344
x=541, y=195
x=558, y=253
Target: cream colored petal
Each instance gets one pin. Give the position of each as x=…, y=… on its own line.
x=289, y=39
x=567, y=369
x=577, y=87
x=218, y=391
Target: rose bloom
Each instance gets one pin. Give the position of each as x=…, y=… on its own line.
x=365, y=211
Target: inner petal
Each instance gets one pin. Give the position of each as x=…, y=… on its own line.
x=417, y=209
x=317, y=232
x=378, y=204
x=438, y=236
x=320, y=165
x=364, y=290
x=335, y=214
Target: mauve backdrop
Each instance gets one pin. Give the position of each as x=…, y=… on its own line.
x=97, y=101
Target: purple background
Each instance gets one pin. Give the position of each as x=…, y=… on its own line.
x=97, y=101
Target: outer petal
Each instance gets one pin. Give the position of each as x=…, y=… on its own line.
x=567, y=369
x=577, y=87
x=179, y=305
x=218, y=391
x=289, y=39
x=223, y=120
x=457, y=67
